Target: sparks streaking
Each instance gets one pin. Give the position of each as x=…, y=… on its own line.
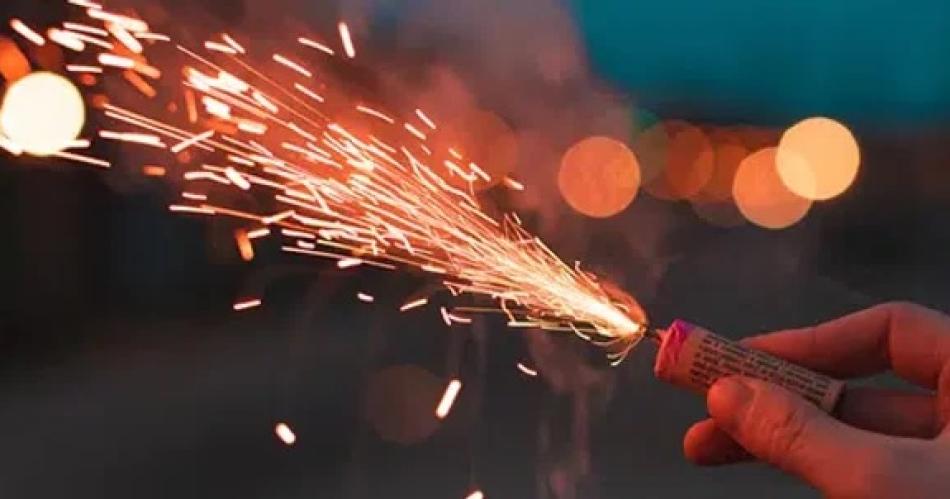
x=332, y=177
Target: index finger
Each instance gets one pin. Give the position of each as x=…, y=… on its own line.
x=912, y=340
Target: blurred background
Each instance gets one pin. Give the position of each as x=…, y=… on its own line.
x=124, y=371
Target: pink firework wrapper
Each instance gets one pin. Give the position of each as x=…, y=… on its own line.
x=694, y=358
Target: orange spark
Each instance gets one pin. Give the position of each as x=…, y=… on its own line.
x=365, y=298
x=476, y=495
x=245, y=248
x=153, y=171
x=448, y=399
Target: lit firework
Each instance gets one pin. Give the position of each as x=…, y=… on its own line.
x=329, y=175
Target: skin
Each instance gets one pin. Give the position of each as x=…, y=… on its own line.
x=879, y=444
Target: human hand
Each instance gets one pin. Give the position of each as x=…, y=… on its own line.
x=884, y=444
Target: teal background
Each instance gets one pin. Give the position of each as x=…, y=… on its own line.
x=873, y=62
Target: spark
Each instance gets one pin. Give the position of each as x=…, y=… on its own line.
x=247, y=304
x=220, y=47
x=348, y=47
x=128, y=23
x=79, y=144
x=448, y=399
x=233, y=43
x=476, y=495
x=237, y=179
x=316, y=45
x=85, y=28
x=331, y=188
x=374, y=113
x=365, y=298
x=101, y=163
x=74, y=68
x=245, y=247
x=527, y=370
x=116, y=61
x=85, y=3
x=415, y=131
x=125, y=38
x=191, y=141
x=258, y=233
x=414, y=304
x=158, y=37
x=137, y=138
x=513, y=184
x=347, y=263
x=27, y=32
x=66, y=39
x=309, y=93
x=293, y=65
x=285, y=434
x=153, y=171
x=425, y=119
x=178, y=208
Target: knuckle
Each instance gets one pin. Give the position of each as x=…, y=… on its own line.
x=900, y=309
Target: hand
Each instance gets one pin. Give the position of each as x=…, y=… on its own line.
x=884, y=444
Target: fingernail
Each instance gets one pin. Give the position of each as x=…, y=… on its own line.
x=727, y=396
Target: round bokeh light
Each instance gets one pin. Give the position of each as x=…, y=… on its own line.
x=762, y=197
x=599, y=177
x=818, y=158
x=42, y=113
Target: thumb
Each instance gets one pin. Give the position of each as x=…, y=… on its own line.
x=788, y=432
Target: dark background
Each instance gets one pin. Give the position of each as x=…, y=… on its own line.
x=124, y=372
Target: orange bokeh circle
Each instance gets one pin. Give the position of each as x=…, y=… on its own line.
x=689, y=163
x=818, y=158
x=762, y=197
x=599, y=177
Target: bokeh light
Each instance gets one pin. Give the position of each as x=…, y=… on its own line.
x=818, y=158
x=650, y=146
x=599, y=177
x=42, y=113
x=727, y=155
x=761, y=195
x=689, y=163
x=13, y=64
